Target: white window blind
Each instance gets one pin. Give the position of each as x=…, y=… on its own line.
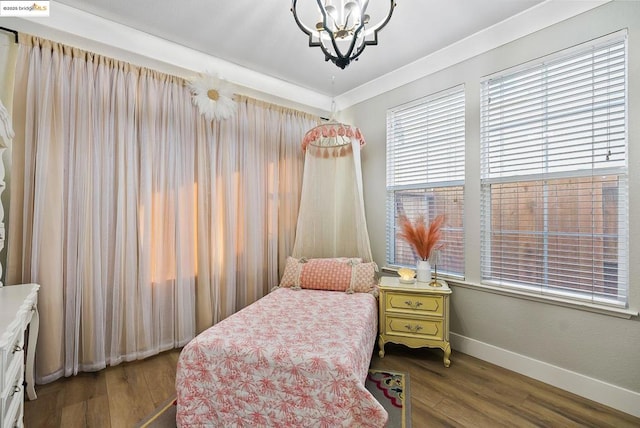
x=554, y=175
x=425, y=174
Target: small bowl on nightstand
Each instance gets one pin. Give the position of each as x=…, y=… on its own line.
x=406, y=280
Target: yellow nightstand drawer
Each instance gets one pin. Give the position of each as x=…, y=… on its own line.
x=414, y=303
x=418, y=328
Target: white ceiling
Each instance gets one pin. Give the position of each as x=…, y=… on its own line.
x=257, y=44
x=262, y=35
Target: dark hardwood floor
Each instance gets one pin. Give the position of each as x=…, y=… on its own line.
x=470, y=393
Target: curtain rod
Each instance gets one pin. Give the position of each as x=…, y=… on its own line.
x=9, y=30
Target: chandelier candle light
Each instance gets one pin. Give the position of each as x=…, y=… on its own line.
x=342, y=28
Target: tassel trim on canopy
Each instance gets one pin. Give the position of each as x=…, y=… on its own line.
x=332, y=134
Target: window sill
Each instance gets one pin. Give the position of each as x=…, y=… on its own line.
x=573, y=304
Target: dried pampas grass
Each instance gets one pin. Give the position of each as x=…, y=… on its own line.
x=421, y=237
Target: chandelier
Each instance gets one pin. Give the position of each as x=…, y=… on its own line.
x=342, y=28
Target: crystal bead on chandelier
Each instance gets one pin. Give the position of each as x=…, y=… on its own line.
x=342, y=28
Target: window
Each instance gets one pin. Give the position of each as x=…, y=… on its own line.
x=425, y=174
x=554, y=175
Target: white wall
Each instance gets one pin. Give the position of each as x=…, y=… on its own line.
x=593, y=354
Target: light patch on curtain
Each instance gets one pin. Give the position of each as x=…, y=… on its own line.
x=272, y=204
x=116, y=165
x=166, y=206
x=227, y=192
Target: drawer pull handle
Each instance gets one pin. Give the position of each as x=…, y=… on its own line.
x=412, y=305
x=413, y=328
x=17, y=348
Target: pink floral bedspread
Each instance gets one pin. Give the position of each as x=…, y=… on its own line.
x=295, y=358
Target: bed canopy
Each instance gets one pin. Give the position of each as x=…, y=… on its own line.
x=331, y=220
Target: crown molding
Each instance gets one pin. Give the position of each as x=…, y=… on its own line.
x=90, y=32
x=529, y=21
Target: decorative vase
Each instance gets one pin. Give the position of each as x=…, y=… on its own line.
x=423, y=271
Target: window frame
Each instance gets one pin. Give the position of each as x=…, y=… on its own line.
x=439, y=182
x=545, y=290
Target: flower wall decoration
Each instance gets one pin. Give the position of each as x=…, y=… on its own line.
x=213, y=96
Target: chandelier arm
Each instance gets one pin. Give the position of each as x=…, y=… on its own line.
x=308, y=32
x=303, y=27
x=347, y=58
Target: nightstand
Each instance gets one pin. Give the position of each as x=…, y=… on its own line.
x=415, y=315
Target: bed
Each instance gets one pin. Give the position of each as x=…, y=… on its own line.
x=295, y=358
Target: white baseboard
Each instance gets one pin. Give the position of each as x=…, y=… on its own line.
x=605, y=393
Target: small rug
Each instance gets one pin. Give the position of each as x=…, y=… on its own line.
x=391, y=389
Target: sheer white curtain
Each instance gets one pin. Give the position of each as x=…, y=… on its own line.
x=332, y=222
x=143, y=223
x=248, y=206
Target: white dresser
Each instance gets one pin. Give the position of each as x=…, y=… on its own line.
x=18, y=310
